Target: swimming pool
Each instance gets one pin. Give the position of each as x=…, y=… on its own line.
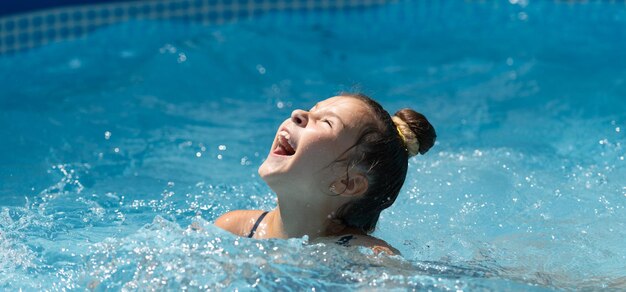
x=114, y=144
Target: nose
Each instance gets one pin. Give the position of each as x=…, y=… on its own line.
x=300, y=117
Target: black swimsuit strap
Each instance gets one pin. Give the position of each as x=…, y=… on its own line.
x=256, y=224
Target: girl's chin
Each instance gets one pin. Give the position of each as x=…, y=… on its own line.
x=273, y=166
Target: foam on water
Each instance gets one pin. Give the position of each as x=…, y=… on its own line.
x=121, y=149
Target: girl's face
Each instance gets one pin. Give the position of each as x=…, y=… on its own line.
x=309, y=142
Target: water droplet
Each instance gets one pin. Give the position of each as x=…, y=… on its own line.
x=221, y=147
x=116, y=150
x=509, y=61
x=75, y=63
x=260, y=68
x=107, y=135
x=181, y=58
x=219, y=156
x=198, y=154
x=522, y=16
x=167, y=48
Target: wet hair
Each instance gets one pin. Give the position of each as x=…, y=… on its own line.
x=380, y=151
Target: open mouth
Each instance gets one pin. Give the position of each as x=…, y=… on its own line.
x=285, y=146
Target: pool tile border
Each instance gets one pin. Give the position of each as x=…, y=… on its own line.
x=30, y=30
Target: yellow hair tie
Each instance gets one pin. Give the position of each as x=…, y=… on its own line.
x=409, y=139
x=401, y=135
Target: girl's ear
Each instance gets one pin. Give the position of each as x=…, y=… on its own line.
x=353, y=185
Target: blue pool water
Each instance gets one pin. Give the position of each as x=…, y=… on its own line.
x=113, y=145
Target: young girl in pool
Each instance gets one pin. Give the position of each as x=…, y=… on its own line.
x=334, y=169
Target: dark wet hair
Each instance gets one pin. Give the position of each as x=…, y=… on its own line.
x=381, y=153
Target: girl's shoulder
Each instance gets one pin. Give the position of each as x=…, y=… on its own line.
x=239, y=222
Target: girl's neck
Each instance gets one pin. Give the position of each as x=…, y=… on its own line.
x=283, y=224
x=303, y=211
x=296, y=221
x=292, y=218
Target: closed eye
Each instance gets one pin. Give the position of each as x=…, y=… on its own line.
x=328, y=122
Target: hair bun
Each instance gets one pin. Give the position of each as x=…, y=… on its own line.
x=416, y=131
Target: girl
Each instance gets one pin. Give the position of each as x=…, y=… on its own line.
x=334, y=169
